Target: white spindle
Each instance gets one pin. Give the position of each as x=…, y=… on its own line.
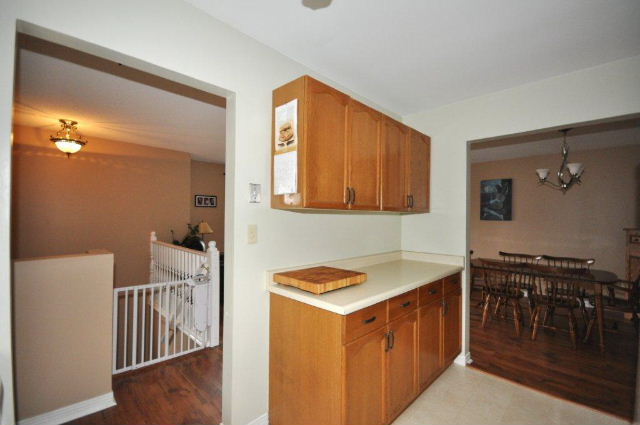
x=126, y=325
x=175, y=314
x=159, y=318
x=114, y=341
x=144, y=313
x=166, y=321
x=151, y=328
x=134, y=339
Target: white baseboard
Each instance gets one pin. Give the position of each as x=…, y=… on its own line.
x=73, y=411
x=463, y=359
x=260, y=420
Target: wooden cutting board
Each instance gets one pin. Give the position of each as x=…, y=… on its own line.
x=320, y=279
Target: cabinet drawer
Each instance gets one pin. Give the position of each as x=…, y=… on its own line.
x=451, y=283
x=403, y=304
x=364, y=321
x=430, y=292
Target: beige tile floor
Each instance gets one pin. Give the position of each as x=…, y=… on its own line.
x=466, y=396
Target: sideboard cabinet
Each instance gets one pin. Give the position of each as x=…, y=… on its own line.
x=362, y=368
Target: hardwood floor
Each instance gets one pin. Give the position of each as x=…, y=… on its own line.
x=186, y=390
x=606, y=382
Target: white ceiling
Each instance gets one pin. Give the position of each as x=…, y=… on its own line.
x=411, y=55
x=111, y=107
x=602, y=136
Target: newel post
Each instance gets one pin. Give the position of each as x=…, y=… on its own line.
x=152, y=265
x=213, y=258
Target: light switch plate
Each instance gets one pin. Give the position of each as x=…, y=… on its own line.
x=255, y=193
x=252, y=234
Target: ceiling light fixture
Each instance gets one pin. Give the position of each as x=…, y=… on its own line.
x=569, y=172
x=316, y=4
x=67, y=139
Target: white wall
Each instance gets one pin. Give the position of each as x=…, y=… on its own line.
x=604, y=91
x=173, y=39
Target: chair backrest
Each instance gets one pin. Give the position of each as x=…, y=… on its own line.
x=511, y=257
x=568, y=262
x=555, y=286
x=501, y=278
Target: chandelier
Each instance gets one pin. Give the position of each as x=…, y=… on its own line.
x=67, y=139
x=569, y=172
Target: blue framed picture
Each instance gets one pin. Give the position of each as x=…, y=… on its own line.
x=495, y=199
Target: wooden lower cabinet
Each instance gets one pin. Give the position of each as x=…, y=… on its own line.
x=430, y=346
x=364, y=397
x=362, y=368
x=402, y=364
x=451, y=329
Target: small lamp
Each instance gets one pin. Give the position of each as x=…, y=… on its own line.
x=204, y=229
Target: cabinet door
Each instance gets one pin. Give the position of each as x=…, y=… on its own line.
x=451, y=329
x=363, y=156
x=325, y=147
x=402, y=367
x=363, y=402
x=419, y=162
x=394, y=164
x=429, y=343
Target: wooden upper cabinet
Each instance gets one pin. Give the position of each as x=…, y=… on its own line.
x=394, y=165
x=325, y=146
x=363, y=156
x=349, y=156
x=418, y=171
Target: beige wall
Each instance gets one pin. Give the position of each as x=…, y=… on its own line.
x=111, y=195
x=62, y=319
x=208, y=179
x=586, y=222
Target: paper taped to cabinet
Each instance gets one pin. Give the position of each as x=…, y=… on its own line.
x=285, y=173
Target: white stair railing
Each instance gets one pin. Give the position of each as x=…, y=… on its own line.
x=176, y=314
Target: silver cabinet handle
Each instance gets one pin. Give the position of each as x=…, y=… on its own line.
x=353, y=199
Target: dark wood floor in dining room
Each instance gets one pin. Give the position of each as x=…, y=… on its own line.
x=606, y=382
x=185, y=390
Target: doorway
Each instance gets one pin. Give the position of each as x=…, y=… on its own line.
x=136, y=175
x=517, y=219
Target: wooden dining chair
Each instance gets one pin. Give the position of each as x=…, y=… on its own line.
x=516, y=258
x=623, y=297
x=501, y=287
x=573, y=263
x=554, y=289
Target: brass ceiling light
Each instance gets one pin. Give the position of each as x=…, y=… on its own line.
x=67, y=139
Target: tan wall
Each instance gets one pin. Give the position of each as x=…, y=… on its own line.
x=111, y=195
x=208, y=179
x=62, y=318
x=585, y=222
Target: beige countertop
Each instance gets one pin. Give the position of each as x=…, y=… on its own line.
x=393, y=275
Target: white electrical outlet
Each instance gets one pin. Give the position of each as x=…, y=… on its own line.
x=252, y=234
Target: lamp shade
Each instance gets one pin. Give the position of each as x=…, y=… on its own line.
x=204, y=228
x=543, y=173
x=575, y=168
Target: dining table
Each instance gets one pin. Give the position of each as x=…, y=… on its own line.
x=595, y=279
